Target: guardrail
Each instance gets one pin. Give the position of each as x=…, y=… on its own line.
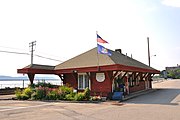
x=24, y=83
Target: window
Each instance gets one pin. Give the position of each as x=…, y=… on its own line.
x=83, y=81
x=80, y=81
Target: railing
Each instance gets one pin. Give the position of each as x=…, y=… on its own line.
x=24, y=83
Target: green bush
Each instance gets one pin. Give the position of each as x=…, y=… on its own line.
x=44, y=91
x=28, y=91
x=18, y=93
x=70, y=96
x=44, y=84
x=24, y=97
x=52, y=95
x=86, y=94
x=34, y=96
x=65, y=90
x=32, y=85
x=39, y=94
x=79, y=97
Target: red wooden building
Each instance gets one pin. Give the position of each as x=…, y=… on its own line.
x=103, y=74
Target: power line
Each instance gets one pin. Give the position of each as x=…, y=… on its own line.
x=14, y=52
x=11, y=48
x=48, y=58
x=39, y=52
x=29, y=54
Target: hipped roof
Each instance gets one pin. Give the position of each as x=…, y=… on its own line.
x=92, y=59
x=89, y=61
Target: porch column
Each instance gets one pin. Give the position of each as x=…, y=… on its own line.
x=31, y=77
x=126, y=84
x=61, y=76
x=150, y=81
x=147, y=81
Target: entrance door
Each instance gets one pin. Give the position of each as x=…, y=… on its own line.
x=118, y=85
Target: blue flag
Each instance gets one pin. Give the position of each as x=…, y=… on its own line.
x=102, y=50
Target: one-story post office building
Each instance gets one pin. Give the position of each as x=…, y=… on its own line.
x=102, y=74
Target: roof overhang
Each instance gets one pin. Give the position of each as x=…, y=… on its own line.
x=115, y=67
x=35, y=71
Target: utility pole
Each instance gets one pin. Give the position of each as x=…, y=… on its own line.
x=32, y=49
x=148, y=52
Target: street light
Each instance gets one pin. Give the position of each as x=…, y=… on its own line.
x=153, y=55
x=150, y=59
x=149, y=56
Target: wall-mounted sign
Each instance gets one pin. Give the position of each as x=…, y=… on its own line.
x=100, y=77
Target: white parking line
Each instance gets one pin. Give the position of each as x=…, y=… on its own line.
x=16, y=108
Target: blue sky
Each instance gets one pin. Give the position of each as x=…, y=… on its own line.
x=64, y=29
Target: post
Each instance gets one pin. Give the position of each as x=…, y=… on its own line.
x=31, y=45
x=98, y=68
x=23, y=84
x=148, y=52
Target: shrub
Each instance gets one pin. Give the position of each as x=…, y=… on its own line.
x=34, y=96
x=86, y=94
x=39, y=94
x=32, y=85
x=28, y=91
x=24, y=97
x=70, y=96
x=79, y=97
x=52, y=95
x=44, y=84
x=45, y=91
x=18, y=93
x=65, y=90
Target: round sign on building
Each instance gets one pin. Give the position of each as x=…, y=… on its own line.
x=100, y=77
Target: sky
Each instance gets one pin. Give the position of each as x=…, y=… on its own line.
x=66, y=28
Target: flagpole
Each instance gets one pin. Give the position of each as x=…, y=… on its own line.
x=98, y=68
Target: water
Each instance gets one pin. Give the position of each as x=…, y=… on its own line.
x=25, y=83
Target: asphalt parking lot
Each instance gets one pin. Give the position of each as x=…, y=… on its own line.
x=163, y=104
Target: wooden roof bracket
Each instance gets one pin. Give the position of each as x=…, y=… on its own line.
x=115, y=75
x=148, y=75
x=144, y=75
x=124, y=75
x=137, y=75
x=88, y=74
x=61, y=77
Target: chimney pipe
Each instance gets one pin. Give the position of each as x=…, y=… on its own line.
x=118, y=50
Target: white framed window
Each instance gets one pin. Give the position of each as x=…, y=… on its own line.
x=83, y=81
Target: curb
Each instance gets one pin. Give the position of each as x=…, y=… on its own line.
x=7, y=97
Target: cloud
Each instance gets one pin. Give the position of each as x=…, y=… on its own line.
x=172, y=3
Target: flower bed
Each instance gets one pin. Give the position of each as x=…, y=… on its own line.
x=46, y=91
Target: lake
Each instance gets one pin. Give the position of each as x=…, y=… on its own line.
x=25, y=83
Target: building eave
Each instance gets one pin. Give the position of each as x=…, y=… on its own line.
x=35, y=71
x=115, y=67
